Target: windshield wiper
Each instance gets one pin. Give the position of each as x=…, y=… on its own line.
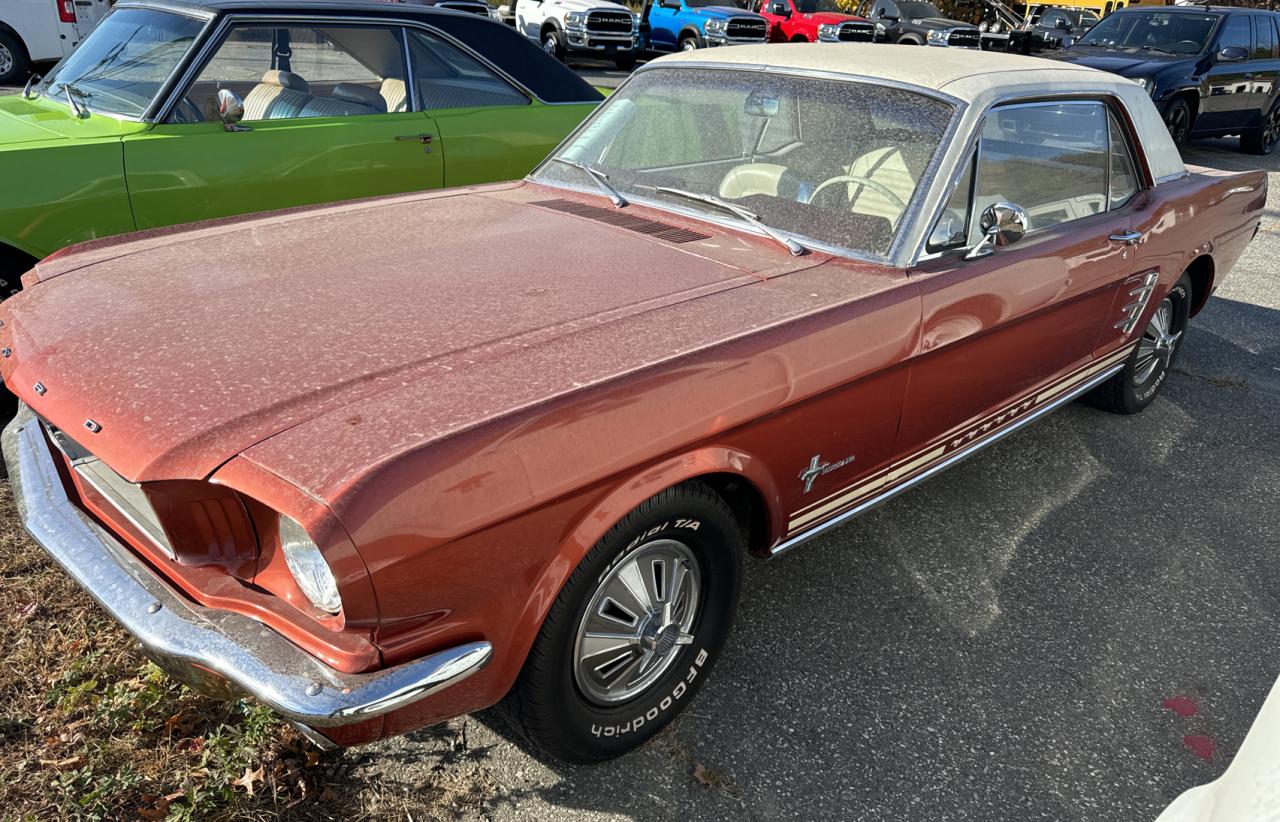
x=733, y=208
x=71, y=93
x=598, y=177
x=31, y=81
x=1156, y=48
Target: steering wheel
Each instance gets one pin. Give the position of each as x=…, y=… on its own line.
x=867, y=181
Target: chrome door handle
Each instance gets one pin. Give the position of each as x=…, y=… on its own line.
x=415, y=138
x=1126, y=237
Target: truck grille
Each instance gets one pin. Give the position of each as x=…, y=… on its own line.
x=473, y=8
x=857, y=32
x=747, y=28
x=609, y=22
x=964, y=38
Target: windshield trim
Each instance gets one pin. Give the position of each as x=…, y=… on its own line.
x=911, y=215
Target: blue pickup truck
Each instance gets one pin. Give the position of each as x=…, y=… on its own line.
x=685, y=25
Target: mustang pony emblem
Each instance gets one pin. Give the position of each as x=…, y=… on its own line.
x=818, y=468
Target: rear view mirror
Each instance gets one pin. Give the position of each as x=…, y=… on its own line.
x=761, y=105
x=1002, y=224
x=1233, y=54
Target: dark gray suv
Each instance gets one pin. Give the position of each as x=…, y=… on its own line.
x=917, y=23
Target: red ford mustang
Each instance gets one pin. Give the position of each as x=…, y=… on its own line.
x=382, y=463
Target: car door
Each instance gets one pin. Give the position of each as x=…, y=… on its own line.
x=1009, y=327
x=1226, y=91
x=1265, y=66
x=529, y=16
x=663, y=25
x=489, y=130
x=326, y=117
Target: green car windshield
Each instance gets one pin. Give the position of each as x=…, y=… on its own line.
x=834, y=163
x=121, y=67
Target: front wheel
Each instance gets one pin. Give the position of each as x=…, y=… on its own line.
x=553, y=44
x=635, y=631
x=689, y=43
x=1264, y=139
x=1178, y=120
x=14, y=65
x=1136, y=385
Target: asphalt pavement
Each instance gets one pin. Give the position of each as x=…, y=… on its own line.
x=1008, y=641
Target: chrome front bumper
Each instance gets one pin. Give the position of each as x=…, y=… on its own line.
x=207, y=648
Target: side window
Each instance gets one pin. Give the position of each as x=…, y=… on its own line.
x=1124, y=172
x=1264, y=41
x=1050, y=19
x=445, y=76
x=1050, y=159
x=952, y=228
x=299, y=71
x=779, y=8
x=1235, y=32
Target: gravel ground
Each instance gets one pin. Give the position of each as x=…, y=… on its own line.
x=997, y=644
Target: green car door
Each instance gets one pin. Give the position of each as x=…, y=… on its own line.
x=325, y=117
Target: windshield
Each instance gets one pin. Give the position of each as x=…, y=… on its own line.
x=827, y=6
x=697, y=4
x=120, y=67
x=917, y=11
x=829, y=161
x=1173, y=33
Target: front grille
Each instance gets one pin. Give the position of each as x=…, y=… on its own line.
x=609, y=22
x=653, y=228
x=857, y=32
x=474, y=8
x=746, y=28
x=964, y=38
x=126, y=497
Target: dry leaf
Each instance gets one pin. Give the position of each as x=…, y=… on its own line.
x=700, y=774
x=248, y=779
x=313, y=758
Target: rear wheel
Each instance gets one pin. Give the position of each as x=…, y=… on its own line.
x=14, y=66
x=635, y=631
x=1265, y=139
x=1178, y=120
x=1137, y=384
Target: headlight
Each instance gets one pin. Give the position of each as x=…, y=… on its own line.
x=635, y=23
x=575, y=19
x=880, y=30
x=308, y=567
x=937, y=38
x=1147, y=83
x=982, y=26
x=494, y=14
x=717, y=26
x=829, y=32
x=995, y=27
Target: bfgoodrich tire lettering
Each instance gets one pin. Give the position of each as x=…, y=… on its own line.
x=550, y=706
x=1147, y=368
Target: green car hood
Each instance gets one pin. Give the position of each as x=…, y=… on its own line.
x=42, y=119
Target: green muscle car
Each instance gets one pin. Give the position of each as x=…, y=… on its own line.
x=180, y=110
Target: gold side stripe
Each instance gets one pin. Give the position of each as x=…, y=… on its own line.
x=850, y=494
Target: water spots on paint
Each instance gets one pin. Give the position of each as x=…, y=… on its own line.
x=1200, y=745
x=1183, y=706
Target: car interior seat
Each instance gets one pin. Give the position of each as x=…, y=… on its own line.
x=281, y=94
x=395, y=95
x=346, y=99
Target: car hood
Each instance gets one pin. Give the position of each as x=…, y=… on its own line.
x=586, y=5
x=724, y=12
x=43, y=120
x=1126, y=65
x=941, y=23
x=824, y=17
x=188, y=346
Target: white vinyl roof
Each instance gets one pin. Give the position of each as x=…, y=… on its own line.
x=977, y=78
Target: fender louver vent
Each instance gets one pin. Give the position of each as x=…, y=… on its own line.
x=621, y=219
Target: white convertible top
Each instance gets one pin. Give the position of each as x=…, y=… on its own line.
x=978, y=78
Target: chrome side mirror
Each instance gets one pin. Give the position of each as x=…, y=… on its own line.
x=230, y=110
x=1002, y=224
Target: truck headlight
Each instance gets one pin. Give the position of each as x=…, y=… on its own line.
x=1147, y=83
x=829, y=32
x=716, y=26
x=635, y=23
x=575, y=19
x=308, y=567
x=938, y=37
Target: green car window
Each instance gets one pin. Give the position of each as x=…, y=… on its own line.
x=120, y=68
x=284, y=72
x=445, y=76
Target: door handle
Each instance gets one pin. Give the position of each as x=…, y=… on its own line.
x=425, y=139
x=1126, y=237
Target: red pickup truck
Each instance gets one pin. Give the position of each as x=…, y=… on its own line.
x=812, y=21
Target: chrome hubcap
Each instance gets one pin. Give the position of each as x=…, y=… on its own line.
x=689, y=45
x=6, y=60
x=1178, y=124
x=549, y=45
x=1157, y=345
x=640, y=616
x=1271, y=131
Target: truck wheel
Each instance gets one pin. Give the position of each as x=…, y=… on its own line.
x=909, y=41
x=14, y=65
x=1178, y=120
x=553, y=44
x=1264, y=140
x=636, y=629
x=625, y=62
x=1136, y=385
x=690, y=42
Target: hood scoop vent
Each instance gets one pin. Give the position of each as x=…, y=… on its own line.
x=620, y=219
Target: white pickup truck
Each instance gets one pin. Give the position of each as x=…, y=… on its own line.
x=32, y=31
x=597, y=29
